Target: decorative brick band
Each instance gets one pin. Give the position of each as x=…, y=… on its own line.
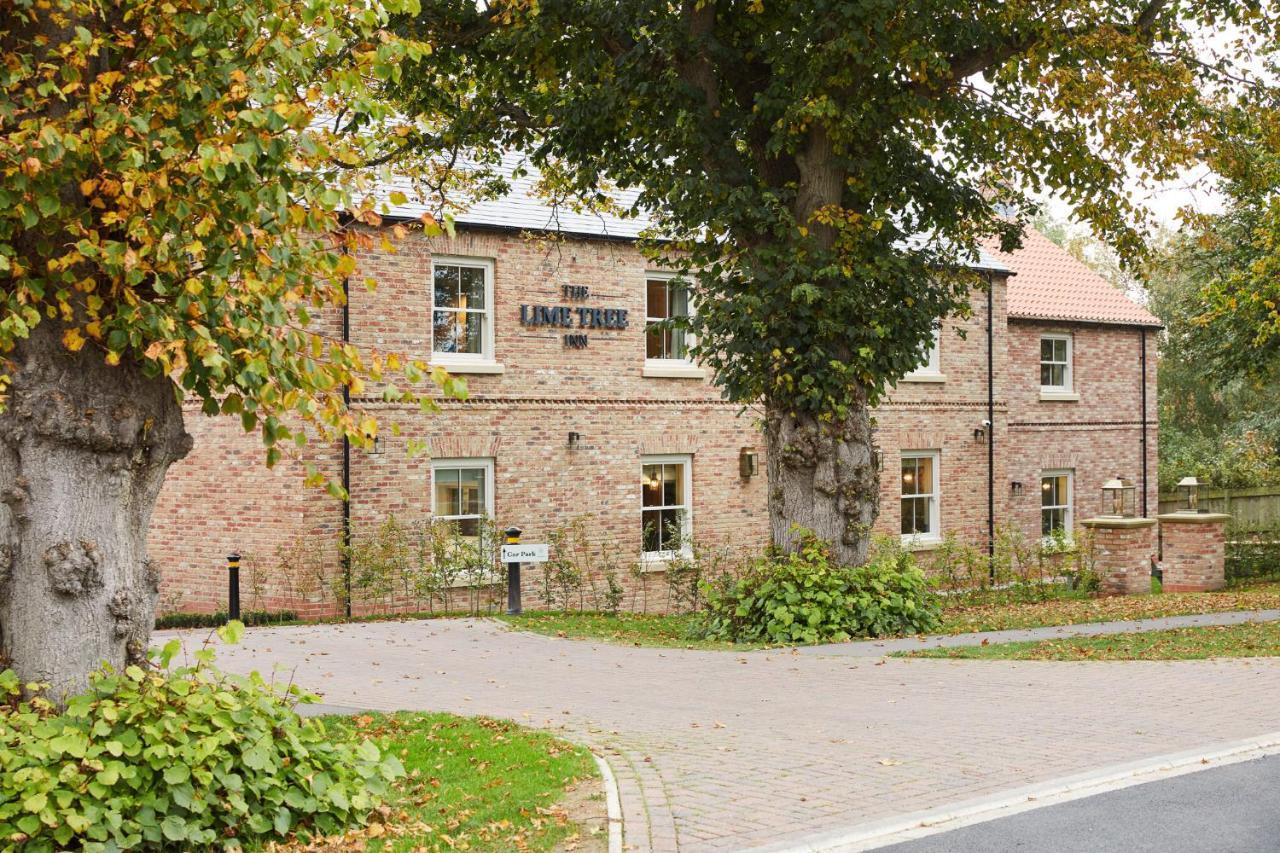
x=464, y=446
x=1151, y=425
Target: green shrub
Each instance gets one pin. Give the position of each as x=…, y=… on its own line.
x=804, y=597
x=152, y=758
x=221, y=617
x=1252, y=554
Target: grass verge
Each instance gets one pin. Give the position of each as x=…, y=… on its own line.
x=475, y=783
x=1261, y=639
x=630, y=629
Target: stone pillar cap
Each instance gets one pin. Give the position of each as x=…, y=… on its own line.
x=1117, y=522
x=1193, y=517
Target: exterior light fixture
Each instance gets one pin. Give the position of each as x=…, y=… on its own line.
x=375, y=446
x=748, y=463
x=1015, y=488
x=980, y=435
x=1119, y=498
x=1190, y=488
x=575, y=439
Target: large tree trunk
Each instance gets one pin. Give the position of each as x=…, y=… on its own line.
x=83, y=452
x=822, y=477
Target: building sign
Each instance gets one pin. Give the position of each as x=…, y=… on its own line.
x=579, y=317
x=524, y=553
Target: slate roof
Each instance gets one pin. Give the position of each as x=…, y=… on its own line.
x=1050, y=284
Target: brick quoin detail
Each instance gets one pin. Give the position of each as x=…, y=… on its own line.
x=222, y=498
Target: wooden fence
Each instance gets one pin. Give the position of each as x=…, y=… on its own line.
x=1250, y=509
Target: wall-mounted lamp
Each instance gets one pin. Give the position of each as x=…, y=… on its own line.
x=575, y=439
x=980, y=433
x=375, y=449
x=1015, y=488
x=748, y=463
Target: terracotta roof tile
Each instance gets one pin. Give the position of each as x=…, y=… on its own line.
x=1050, y=284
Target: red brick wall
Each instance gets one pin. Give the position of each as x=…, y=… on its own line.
x=1194, y=554
x=222, y=498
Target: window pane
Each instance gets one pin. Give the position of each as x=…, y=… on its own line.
x=472, y=491
x=1046, y=349
x=472, y=337
x=657, y=307
x=652, y=520
x=676, y=346
x=679, y=297
x=915, y=516
x=472, y=286
x=1051, y=520
x=657, y=343
x=446, y=286
x=445, y=332
x=1060, y=351
x=908, y=476
x=924, y=479
x=468, y=527
x=908, y=516
x=448, y=498
x=672, y=529
x=673, y=485
x=651, y=485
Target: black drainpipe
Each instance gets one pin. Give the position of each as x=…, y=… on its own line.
x=346, y=456
x=991, y=425
x=1142, y=363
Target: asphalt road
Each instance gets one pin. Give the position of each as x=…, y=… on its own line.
x=1232, y=809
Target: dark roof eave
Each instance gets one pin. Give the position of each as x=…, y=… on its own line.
x=1092, y=321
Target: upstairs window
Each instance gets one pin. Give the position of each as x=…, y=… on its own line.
x=666, y=300
x=920, y=495
x=1055, y=363
x=1055, y=502
x=462, y=310
x=932, y=354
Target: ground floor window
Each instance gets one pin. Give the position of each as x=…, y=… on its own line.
x=1055, y=502
x=920, y=495
x=665, y=499
x=462, y=493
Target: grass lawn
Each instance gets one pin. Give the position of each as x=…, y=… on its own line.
x=1077, y=609
x=478, y=784
x=672, y=631
x=632, y=629
x=1233, y=641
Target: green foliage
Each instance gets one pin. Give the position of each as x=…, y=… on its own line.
x=176, y=759
x=174, y=200
x=804, y=597
x=1253, y=554
x=826, y=170
x=213, y=620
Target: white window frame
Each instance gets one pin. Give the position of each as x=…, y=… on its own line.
x=668, y=368
x=463, y=462
x=686, y=460
x=485, y=360
x=931, y=370
x=1068, y=387
x=1069, y=517
x=935, y=504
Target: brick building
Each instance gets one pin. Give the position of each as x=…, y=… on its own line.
x=1021, y=413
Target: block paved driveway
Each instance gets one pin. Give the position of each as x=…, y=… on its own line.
x=729, y=750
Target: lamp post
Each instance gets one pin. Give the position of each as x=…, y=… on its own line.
x=233, y=585
x=513, y=575
x=1190, y=488
x=1119, y=498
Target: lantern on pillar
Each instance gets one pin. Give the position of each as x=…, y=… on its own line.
x=1190, y=488
x=1119, y=498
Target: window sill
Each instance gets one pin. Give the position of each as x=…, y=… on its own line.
x=672, y=370
x=924, y=378
x=471, y=366
x=917, y=543
x=657, y=562
x=1059, y=396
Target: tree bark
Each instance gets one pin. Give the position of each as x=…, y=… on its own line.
x=84, y=448
x=822, y=477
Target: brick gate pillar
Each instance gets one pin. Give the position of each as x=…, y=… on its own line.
x=1123, y=548
x=1194, y=554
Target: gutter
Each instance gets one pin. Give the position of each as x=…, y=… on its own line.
x=1142, y=442
x=991, y=426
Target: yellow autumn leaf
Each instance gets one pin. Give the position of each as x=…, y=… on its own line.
x=73, y=340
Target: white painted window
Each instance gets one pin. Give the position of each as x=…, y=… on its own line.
x=462, y=310
x=1055, y=364
x=933, y=358
x=462, y=493
x=666, y=502
x=1055, y=502
x=921, y=496
x=665, y=299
